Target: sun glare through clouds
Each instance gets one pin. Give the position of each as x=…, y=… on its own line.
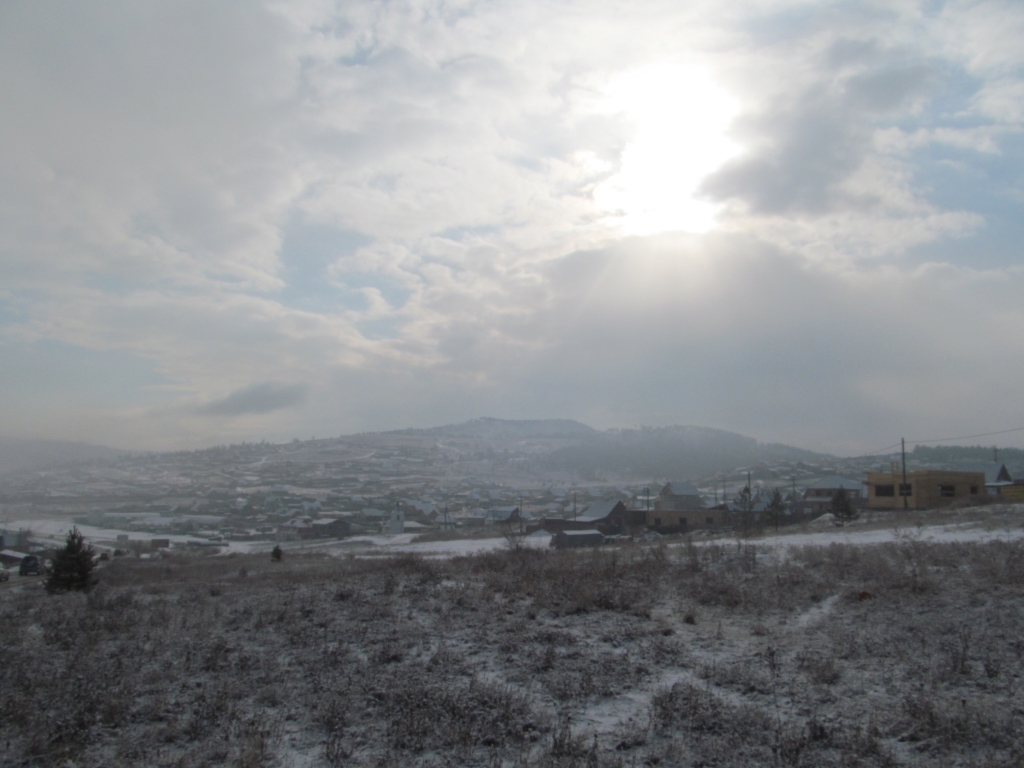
x=680, y=116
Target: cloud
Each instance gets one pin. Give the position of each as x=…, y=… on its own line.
x=396, y=205
x=265, y=397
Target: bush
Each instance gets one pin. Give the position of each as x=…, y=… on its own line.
x=72, y=566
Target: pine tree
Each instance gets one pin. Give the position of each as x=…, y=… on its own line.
x=72, y=566
x=842, y=509
x=276, y=554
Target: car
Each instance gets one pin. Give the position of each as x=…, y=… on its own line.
x=4, y=573
x=30, y=566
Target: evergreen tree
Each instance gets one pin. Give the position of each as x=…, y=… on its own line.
x=276, y=554
x=842, y=509
x=73, y=566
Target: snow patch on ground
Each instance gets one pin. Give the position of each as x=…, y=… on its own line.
x=816, y=613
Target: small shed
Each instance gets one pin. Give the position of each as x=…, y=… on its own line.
x=574, y=539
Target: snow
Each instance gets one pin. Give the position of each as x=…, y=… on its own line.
x=55, y=531
x=955, y=532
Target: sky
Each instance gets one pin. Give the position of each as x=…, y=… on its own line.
x=795, y=219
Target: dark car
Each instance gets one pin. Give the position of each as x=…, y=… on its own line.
x=30, y=566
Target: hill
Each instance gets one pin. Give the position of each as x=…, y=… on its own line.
x=21, y=455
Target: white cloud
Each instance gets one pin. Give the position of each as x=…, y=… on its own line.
x=153, y=158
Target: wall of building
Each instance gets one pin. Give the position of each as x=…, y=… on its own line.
x=668, y=502
x=928, y=489
x=685, y=519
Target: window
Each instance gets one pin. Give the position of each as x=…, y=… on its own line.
x=710, y=521
x=885, y=490
x=974, y=490
x=947, y=491
x=906, y=489
x=657, y=522
x=682, y=522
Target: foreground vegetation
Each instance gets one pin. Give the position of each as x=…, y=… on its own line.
x=898, y=654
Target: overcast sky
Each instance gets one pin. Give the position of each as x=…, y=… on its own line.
x=231, y=221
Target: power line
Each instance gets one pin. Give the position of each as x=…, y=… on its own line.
x=968, y=437
x=881, y=451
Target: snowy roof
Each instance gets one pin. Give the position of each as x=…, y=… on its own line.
x=599, y=510
x=584, y=532
x=680, y=488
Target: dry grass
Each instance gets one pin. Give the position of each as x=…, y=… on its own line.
x=901, y=654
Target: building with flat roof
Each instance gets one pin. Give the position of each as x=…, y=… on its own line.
x=924, y=489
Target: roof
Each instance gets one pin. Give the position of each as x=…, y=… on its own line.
x=680, y=488
x=599, y=510
x=584, y=532
x=500, y=513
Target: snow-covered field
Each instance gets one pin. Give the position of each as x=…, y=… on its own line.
x=1005, y=522
x=837, y=647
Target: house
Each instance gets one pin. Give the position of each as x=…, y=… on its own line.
x=499, y=515
x=997, y=476
x=587, y=537
x=924, y=489
x=1013, y=493
x=330, y=528
x=507, y=515
x=678, y=496
x=296, y=528
x=819, y=495
x=395, y=523
x=610, y=516
x=678, y=521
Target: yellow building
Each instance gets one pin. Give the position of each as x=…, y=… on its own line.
x=1013, y=493
x=925, y=489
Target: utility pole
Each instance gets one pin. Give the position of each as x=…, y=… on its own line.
x=574, y=506
x=520, y=512
x=903, y=488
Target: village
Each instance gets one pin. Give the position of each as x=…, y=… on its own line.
x=468, y=483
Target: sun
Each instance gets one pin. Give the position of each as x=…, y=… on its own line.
x=680, y=117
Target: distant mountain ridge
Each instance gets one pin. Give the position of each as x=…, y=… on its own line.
x=681, y=452
x=516, y=428
x=24, y=454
